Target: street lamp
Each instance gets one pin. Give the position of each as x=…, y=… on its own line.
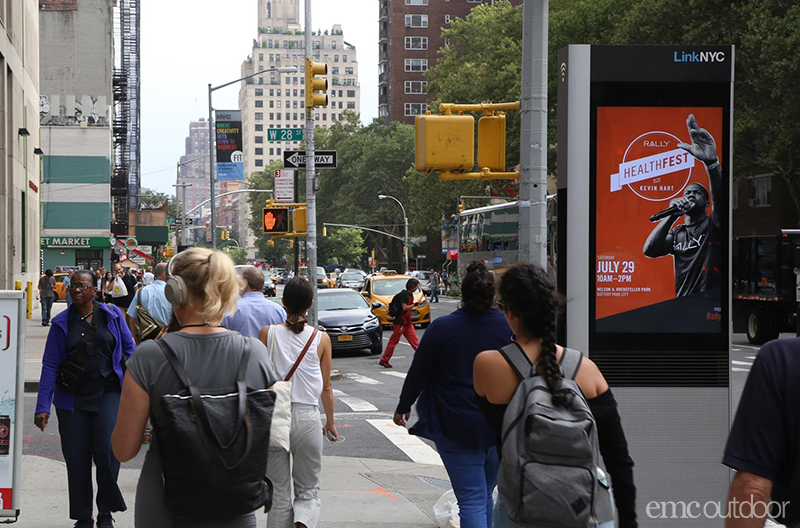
x=212, y=89
x=405, y=221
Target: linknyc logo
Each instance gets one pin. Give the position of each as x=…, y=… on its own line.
x=698, y=56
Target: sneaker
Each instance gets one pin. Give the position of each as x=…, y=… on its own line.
x=384, y=364
x=85, y=523
x=105, y=520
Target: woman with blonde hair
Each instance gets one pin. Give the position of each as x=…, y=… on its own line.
x=210, y=357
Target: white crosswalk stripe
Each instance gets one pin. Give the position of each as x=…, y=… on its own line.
x=413, y=447
x=744, y=363
x=395, y=374
x=750, y=357
x=362, y=379
x=735, y=369
x=356, y=404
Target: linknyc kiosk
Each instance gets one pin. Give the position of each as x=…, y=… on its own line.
x=12, y=376
x=644, y=186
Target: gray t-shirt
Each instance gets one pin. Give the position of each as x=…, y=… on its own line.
x=210, y=361
x=47, y=284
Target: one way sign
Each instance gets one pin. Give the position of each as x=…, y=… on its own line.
x=296, y=159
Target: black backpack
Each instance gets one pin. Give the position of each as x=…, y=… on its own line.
x=214, y=447
x=396, y=306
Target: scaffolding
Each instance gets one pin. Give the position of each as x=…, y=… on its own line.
x=126, y=176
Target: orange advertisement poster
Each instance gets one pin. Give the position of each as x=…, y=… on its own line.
x=657, y=232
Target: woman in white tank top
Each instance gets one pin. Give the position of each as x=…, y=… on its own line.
x=311, y=381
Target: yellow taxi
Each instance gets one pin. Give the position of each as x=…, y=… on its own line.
x=381, y=287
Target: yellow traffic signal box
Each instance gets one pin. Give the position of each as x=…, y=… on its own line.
x=492, y=142
x=275, y=220
x=299, y=220
x=444, y=142
x=314, y=84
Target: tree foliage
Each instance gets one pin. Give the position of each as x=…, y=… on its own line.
x=154, y=200
x=343, y=246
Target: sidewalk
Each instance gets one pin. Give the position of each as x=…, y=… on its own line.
x=355, y=493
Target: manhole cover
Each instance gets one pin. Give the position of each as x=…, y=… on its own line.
x=404, y=482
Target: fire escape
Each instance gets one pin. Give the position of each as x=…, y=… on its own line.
x=126, y=177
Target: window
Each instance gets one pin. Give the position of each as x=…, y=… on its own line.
x=286, y=44
x=447, y=19
x=271, y=117
x=416, y=21
x=259, y=163
x=416, y=2
x=279, y=92
x=259, y=103
x=351, y=105
x=348, y=71
x=294, y=104
x=344, y=58
x=294, y=115
x=261, y=56
x=294, y=92
x=259, y=127
x=272, y=92
x=269, y=44
x=278, y=151
x=416, y=87
x=761, y=191
x=324, y=117
x=416, y=43
x=335, y=70
x=271, y=57
x=272, y=152
x=340, y=104
x=259, y=116
x=333, y=44
x=259, y=139
x=416, y=65
x=474, y=1
x=335, y=58
x=259, y=151
x=289, y=80
x=277, y=104
x=412, y=109
x=351, y=93
x=287, y=116
x=272, y=104
x=259, y=91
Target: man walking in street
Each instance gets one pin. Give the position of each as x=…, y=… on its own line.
x=66, y=282
x=129, y=280
x=253, y=311
x=400, y=308
x=153, y=300
x=436, y=281
x=764, y=442
x=46, y=295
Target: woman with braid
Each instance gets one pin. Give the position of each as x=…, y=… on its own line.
x=529, y=302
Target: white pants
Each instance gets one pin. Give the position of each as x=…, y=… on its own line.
x=304, y=471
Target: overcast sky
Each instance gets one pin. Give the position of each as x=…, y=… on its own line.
x=187, y=44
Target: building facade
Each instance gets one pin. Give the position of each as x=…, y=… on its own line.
x=278, y=100
x=19, y=136
x=75, y=116
x=410, y=35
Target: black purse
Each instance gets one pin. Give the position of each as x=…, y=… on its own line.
x=214, y=447
x=72, y=373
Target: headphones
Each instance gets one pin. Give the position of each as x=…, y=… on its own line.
x=175, y=290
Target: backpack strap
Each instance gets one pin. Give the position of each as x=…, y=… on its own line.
x=518, y=360
x=570, y=363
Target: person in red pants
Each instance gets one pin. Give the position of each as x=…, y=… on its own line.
x=401, y=304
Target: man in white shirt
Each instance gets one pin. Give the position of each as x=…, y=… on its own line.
x=253, y=311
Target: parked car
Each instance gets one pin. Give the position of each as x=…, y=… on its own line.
x=349, y=321
x=379, y=290
x=350, y=279
x=424, y=278
x=269, y=285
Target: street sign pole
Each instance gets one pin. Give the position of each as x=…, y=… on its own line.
x=311, y=202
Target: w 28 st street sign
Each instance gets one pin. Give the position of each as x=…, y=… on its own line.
x=296, y=159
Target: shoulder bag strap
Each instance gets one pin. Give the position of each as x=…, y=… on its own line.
x=301, y=356
x=518, y=360
x=271, y=342
x=571, y=362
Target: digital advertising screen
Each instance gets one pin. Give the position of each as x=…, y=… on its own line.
x=659, y=219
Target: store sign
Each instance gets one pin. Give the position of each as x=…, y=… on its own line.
x=74, y=242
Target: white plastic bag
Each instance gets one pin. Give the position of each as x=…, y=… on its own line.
x=120, y=290
x=445, y=511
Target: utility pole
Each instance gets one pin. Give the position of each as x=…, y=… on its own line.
x=297, y=239
x=311, y=202
x=533, y=135
x=211, y=160
x=180, y=195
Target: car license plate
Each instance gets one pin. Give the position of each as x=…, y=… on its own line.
x=345, y=338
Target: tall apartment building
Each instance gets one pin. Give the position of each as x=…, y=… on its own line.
x=75, y=116
x=19, y=136
x=278, y=100
x=409, y=38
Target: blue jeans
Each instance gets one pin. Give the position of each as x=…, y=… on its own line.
x=501, y=519
x=473, y=474
x=47, y=305
x=434, y=294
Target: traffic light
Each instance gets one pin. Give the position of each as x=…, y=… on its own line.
x=299, y=220
x=225, y=235
x=324, y=231
x=313, y=84
x=271, y=243
x=164, y=253
x=444, y=142
x=462, y=207
x=492, y=142
x=275, y=220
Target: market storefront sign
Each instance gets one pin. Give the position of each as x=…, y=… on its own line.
x=75, y=242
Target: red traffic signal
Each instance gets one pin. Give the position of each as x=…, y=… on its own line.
x=275, y=220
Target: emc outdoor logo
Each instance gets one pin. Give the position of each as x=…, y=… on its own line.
x=698, y=56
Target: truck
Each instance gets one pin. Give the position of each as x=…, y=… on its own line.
x=765, y=285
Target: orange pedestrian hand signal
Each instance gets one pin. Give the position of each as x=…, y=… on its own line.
x=276, y=220
x=269, y=221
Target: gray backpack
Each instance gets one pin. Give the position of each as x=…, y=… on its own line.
x=549, y=473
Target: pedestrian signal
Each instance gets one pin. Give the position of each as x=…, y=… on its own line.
x=444, y=142
x=276, y=220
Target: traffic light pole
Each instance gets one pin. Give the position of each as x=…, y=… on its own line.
x=311, y=202
x=533, y=135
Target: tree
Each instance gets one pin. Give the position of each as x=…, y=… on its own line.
x=155, y=200
x=343, y=246
x=237, y=255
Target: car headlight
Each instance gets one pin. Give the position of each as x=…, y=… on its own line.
x=371, y=324
x=382, y=306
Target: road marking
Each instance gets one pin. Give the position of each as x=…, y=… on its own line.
x=736, y=349
x=745, y=363
x=356, y=404
x=398, y=344
x=740, y=370
x=750, y=357
x=751, y=347
x=395, y=374
x=362, y=379
x=413, y=447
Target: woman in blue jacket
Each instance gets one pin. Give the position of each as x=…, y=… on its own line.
x=440, y=381
x=86, y=418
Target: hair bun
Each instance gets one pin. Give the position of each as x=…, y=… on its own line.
x=476, y=266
